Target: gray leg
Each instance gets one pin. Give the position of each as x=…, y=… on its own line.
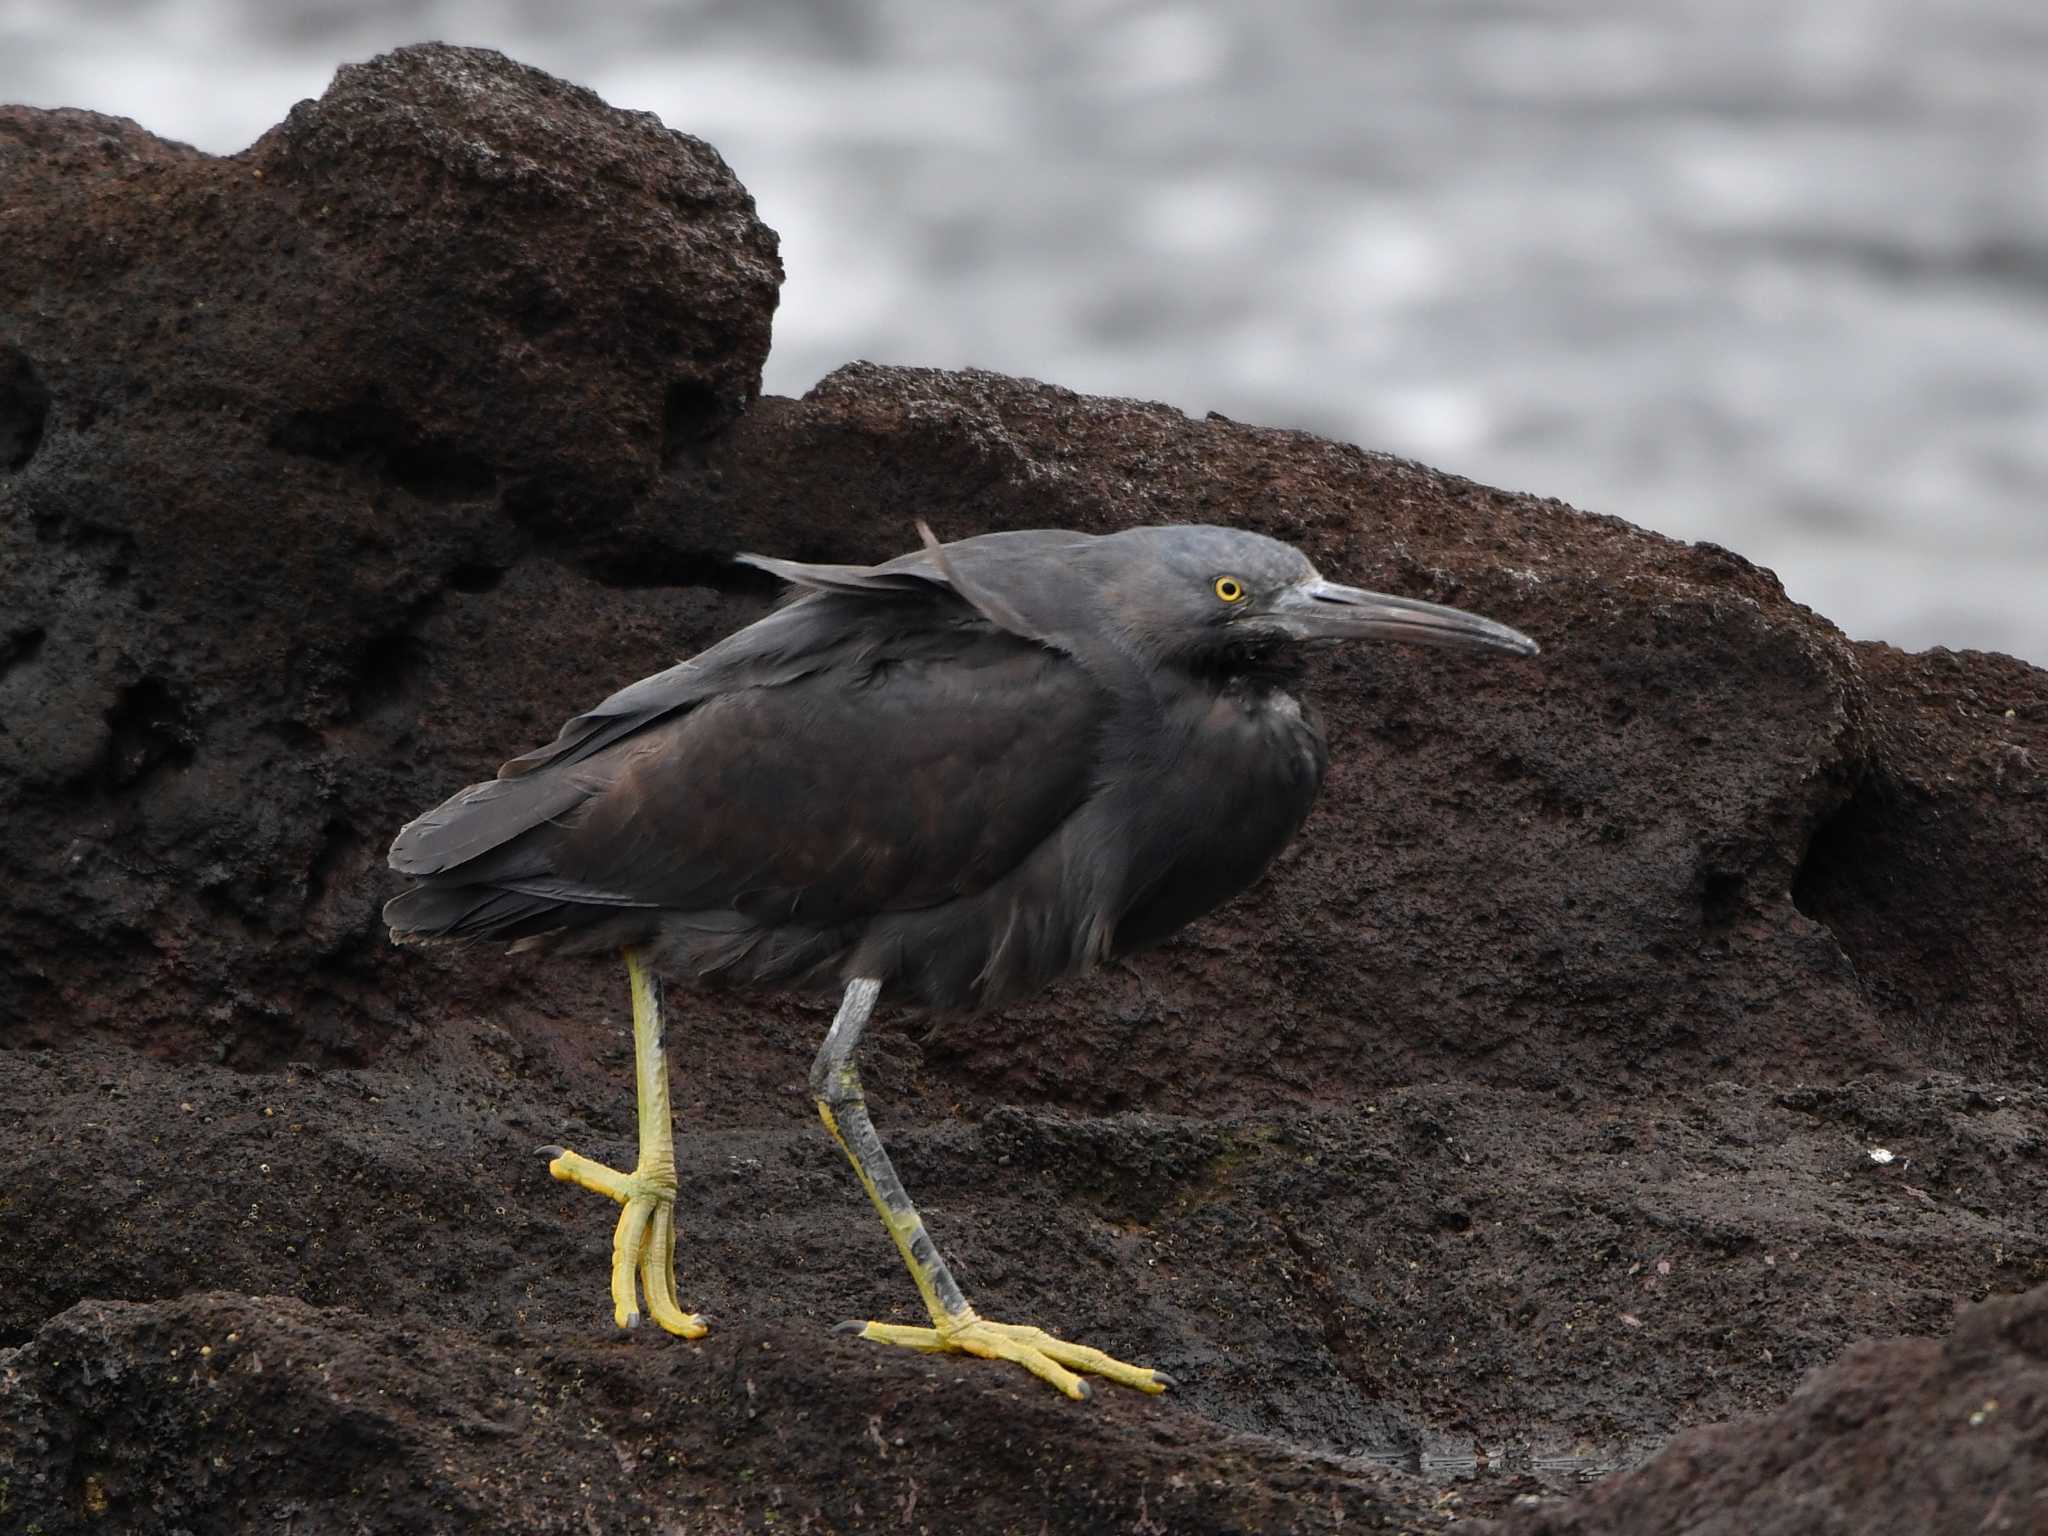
x=835, y=1084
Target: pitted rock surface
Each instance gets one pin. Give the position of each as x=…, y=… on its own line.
x=1520, y=1119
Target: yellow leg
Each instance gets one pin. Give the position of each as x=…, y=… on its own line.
x=956, y=1326
x=644, y=1245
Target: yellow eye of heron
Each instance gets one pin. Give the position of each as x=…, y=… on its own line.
x=1230, y=589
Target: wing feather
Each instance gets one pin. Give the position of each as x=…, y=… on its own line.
x=842, y=794
x=840, y=758
x=834, y=620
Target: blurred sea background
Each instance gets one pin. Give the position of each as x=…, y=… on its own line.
x=1774, y=275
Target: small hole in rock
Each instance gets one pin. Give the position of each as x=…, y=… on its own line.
x=24, y=409
x=690, y=414
x=475, y=577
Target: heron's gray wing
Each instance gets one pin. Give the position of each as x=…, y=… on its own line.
x=835, y=623
x=1017, y=580
x=923, y=569
x=546, y=783
x=923, y=772
x=805, y=636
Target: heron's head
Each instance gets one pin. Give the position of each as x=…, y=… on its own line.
x=1196, y=590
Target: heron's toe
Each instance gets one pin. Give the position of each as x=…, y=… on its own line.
x=657, y=1268
x=1052, y=1360
x=575, y=1168
x=1083, y=1357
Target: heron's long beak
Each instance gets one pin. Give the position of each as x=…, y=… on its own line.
x=1323, y=610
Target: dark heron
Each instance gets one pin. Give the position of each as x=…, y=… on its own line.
x=947, y=780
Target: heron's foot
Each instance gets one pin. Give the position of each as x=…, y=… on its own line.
x=644, y=1245
x=1049, y=1359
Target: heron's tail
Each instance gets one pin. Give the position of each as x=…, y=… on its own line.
x=430, y=913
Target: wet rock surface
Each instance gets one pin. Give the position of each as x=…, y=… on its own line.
x=1523, y=1117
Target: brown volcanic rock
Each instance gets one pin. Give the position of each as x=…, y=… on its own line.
x=263, y=413
x=1523, y=1113
x=1933, y=875
x=1440, y=1271
x=1904, y=1436
x=474, y=276
x=328, y=1420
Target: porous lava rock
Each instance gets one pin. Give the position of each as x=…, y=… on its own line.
x=1525, y=1115
x=1898, y=1437
x=258, y=415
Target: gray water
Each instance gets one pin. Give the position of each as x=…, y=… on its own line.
x=1770, y=274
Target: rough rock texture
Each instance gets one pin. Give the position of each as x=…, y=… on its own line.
x=1520, y=1119
x=339, y=1421
x=265, y=413
x=1969, y=1415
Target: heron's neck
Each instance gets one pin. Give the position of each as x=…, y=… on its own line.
x=1260, y=668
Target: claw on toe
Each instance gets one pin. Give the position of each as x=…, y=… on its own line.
x=1052, y=1360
